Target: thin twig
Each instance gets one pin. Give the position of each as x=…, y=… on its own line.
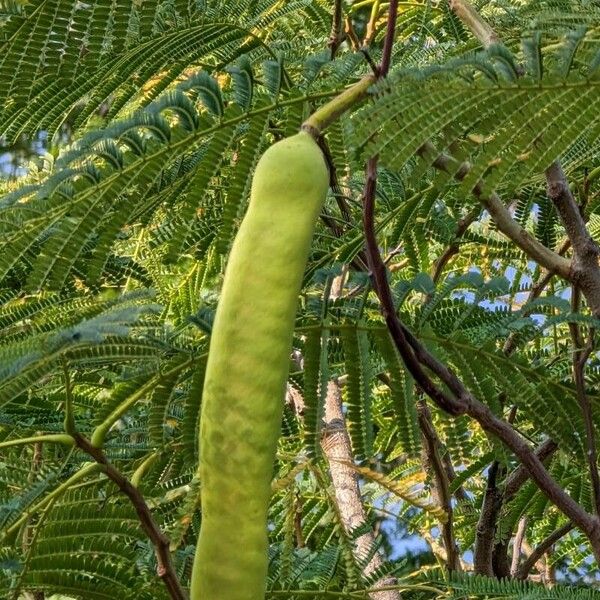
x=454, y=247
x=520, y=475
x=441, y=487
x=510, y=345
x=581, y=355
x=544, y=546
x=517, y=546
x=351, y=34
x=165, y=568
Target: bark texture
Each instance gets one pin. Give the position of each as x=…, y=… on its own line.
x=336, y=447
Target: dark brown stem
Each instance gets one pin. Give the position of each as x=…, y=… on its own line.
x=388, y=43
x=487, y=557
x=486, y=525
x=523, y=572
x=500, y=559
x=165, y=568
x=441, y=487
x=382, y=289
x=337, y=35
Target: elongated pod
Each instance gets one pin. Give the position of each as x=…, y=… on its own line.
x=248, y=366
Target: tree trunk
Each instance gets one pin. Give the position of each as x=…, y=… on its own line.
x=336, y=447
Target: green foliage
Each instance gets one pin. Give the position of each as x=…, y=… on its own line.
x=112, y=248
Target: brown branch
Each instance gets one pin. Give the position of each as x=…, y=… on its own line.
x=469, y=16
x=518, y=545
x=544, y=546
x=388, y=42
x=585, y=270
x=581, y=355
x=381, y=287
x=453, y=249
x=165, y=568
x=500, y=214
x=486, y=525
x=334, y=182
x=500, y=564
x=376, y=264
x=520, y=475
x=441, y=487
x=337, y=35
x=488, y=557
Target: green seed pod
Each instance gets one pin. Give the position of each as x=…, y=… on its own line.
x=248, y=366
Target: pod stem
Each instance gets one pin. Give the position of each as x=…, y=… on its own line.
x=331, y=111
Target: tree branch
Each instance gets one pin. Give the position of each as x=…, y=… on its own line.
x=500, y=214
x=528, y=564
x=337, y=35
x=165, y=567
x=441, y=487
x=486, y=525
x=470, y=17
x=336, y=447
x=520, y=475
x=585, y=271
x=518, y=545
x=581, y=355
